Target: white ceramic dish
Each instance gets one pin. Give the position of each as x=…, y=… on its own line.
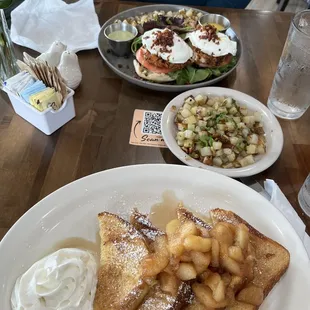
x=72, y=212
x=274, y=134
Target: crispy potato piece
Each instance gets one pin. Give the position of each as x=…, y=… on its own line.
x=215, y=253
x=242, y=236
x=231, y=266
x=172, y=227
x=196, y=243
x=252, y=295
x=204, y=295
x=186, y=272
x=201, y=261
x=168, y=283
x=235, y=253
x=222, y=234
x=219, y=292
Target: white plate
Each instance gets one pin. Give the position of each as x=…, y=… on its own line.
x=71, y=212
x=274, y=134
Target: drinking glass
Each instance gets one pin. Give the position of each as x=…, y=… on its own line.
x=304, y=196
x=8, y=65
x=289, y=96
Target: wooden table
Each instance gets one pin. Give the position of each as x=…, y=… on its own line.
x=32, y=165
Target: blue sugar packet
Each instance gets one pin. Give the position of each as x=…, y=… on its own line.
x=36, y=87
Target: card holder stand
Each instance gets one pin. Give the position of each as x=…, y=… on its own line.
x=47, y=121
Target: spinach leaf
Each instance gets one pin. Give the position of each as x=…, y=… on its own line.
x=216, y=72
x=136, y=44
x=190, y=75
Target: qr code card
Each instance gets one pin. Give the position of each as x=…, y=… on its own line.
x=146, y=129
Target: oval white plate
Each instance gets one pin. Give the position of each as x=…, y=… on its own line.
x=274, y=134
x=72, y=212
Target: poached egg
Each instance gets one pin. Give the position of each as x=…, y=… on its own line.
x=220, y=47
x=178, y=53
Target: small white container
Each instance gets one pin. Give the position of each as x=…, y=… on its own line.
x=47, y=121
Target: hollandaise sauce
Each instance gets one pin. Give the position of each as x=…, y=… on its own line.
x=121, y=35
x=217, y=26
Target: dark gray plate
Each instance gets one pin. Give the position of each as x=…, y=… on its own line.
x=124, y=66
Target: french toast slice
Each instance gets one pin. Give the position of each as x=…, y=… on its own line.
x=156, y=297
x=272, y=259
x=120, y=284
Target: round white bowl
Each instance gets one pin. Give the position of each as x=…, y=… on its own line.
x=273, y=131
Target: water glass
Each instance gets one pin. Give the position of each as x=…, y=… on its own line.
x=304, y=196
x=290, y=97
x=8, y=65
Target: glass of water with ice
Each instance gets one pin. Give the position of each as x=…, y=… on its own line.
x=304, y=196
x=290, y=93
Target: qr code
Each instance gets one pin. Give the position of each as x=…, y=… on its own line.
x=151, y=123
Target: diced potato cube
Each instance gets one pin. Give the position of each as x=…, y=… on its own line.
x=245, y=132
x=248, y=160
x=201, y=99
x=251, y=149
x=187, y=106
x=194, y=110
x=230, y=126
x=219, y=153
x=217, y=145
x=186, y=113
x=202, y=111
x=206, y=151
x=180, y=143
x=241, y=125
x=237, y=119
x=231, y=157
x=190, y=120
x=188, y=143
x=221, y=126
x=217, y=161
x=191, y=127
x=253, y=138
x=261, y=149
x=188, y=134
x=228, y=101
x=180, y=136
x=202, y=123
x=234, y=140
x=233, y=110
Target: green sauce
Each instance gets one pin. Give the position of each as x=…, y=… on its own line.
x=121, y=35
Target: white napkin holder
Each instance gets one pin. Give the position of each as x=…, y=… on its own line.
x=47, y=121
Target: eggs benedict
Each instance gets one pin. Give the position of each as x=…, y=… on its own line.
x=211, y=48
x=162, y=52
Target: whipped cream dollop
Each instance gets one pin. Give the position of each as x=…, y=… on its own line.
x=64, y=280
